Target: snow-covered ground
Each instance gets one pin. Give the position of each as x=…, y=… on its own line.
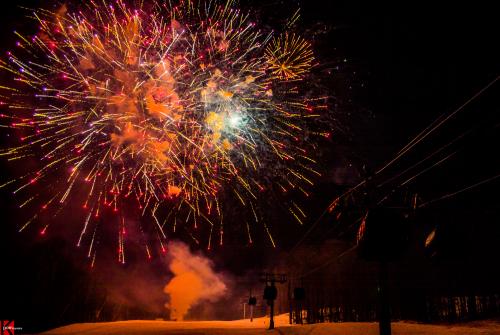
x=259, y=326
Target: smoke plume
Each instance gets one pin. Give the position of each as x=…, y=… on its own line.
x=194, y=281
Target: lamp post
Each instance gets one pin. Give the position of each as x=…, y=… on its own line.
x=271, y=292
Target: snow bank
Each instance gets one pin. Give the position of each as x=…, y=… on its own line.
x=259, y=326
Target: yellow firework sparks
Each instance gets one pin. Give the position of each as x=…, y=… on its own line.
x=290, y=56
x=176, y=106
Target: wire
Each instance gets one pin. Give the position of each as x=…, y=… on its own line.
x=417, y=139
x=427, y=169
x=331, y=260
x=427, y=158
x=423, y=160
x=449, y=195
x=438, y=123
x=416, y=175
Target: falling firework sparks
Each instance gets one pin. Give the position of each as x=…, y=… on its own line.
x=175, y=107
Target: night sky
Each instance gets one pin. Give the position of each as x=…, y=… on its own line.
x=390, y=72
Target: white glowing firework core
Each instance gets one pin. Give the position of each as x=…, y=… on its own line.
x=235, y=120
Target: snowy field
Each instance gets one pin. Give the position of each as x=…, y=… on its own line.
x=259, y=326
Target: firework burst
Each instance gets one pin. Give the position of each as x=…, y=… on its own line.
x=174, y=106
x=289, y=56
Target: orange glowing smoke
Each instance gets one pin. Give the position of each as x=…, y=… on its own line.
x=194, y=281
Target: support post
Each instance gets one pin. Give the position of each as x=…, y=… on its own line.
x=271, y=322
x=384, y=305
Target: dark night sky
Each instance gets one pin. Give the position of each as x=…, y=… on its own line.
x=393, y=71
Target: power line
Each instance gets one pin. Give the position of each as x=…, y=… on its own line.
x=439, y=162
x=331, y=260
x=449, y=195
x=438, y=123
x=416, y=175
x=427, y=157
x=417, y=139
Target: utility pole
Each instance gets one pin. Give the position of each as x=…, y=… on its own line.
x=271, y=292
x=384, y=303
x=383, y=237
